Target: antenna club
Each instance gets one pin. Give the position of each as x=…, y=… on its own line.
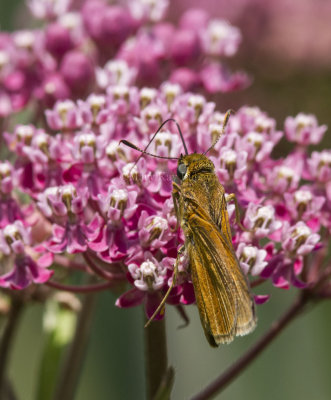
x=225, y=122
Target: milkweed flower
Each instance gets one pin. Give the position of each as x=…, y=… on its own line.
x=98, y=200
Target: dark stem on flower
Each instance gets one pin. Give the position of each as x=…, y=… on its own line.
x=8, y=391
x=156, y=356
x=70, y=372
x=8, y=337
x=97, y=287
x=99, y=271
x=257, y=282
x=239, y=366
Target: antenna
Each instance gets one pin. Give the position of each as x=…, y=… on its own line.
x=154, y=155
x=225, y=122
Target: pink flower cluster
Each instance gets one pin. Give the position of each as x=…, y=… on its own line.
x=101, y=44
x=113, y=217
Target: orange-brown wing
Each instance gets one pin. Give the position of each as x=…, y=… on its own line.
x=225, y=304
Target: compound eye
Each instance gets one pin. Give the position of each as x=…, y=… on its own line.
x=181, y=171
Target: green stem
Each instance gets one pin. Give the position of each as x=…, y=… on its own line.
x=8, y=338
x=156, y=356
x=238, y=367
x=71, y=369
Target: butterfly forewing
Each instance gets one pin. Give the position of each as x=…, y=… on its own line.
x=222, y=296
x=221, y=289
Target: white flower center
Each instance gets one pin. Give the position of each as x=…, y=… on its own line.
x=229, y=156
x=96, y=101
x=304, y=120
x=63, y=107
x=10, y=231
x=249, y=252
x=130, y=169
x=24, y=39
x=4, y=170
x=147, y=268
x=285, y=172
x=196, y=101
x=255, y=138
x=326, y=158
x=266, y=213
x=70, y=20
x=219, y=30
x=87, y=139
x=68, y=190
x=302, y=231
x=303, y=196
x=119, y=195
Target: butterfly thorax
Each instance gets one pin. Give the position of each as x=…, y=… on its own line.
x=200, y=188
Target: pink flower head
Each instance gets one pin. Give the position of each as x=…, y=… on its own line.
x=47, y=9
x=304, y=204
x=60, y=201
x=115, y=72
x=193, y=108
x=170, y=91
x=77, y=69
x=64, y=116
x=215, y=78
x=286, y=175
x=118, y=204
x=185, y=47
x=303, y=129
x=149, y=10
x=147, y=63
x=298, y=239
x=151, y=118
x=257, y=145
x=116, y=25
x=194, y=18
x=319, y=166
x=73, y=238
x=251, y=258
x=253, y=119
x=25, y=271
x=6, y=178
x=13, y=238
x=232, y=165
x=53, y=88
x=87, y=147
x=93, y=109
x=148, y=276
x=261, y=220
x=186, y=78
x=21, y=137
x=58, y=40
x=147, y=96
x=166, y=144
x=123, y=100
x=153, y=231
x=220, y=38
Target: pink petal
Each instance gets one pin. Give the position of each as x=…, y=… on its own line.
x=131, y=298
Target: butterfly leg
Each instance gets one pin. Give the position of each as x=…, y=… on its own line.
x=232, y=197
x=174, y=279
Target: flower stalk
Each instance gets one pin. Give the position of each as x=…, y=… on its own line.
x=7, y=339
x=156, y=356
x=70, y=371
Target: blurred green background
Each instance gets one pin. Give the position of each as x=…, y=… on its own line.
x=296, y=366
